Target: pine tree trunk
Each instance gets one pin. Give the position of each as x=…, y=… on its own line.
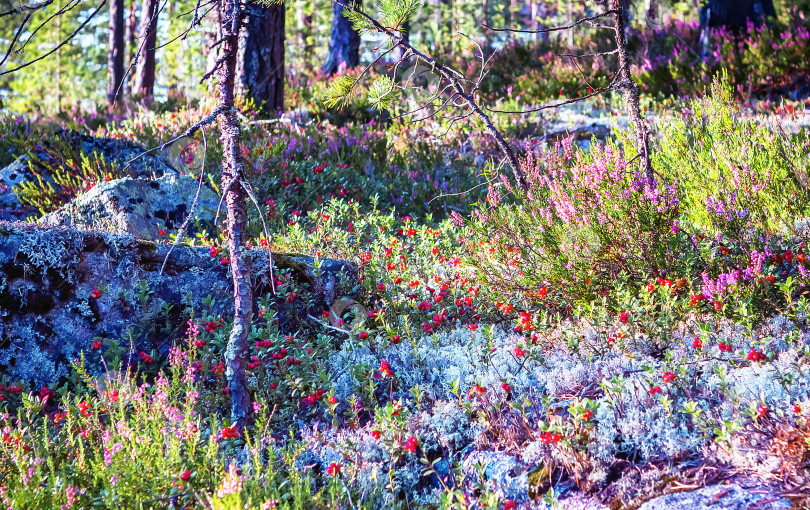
x=437, y=20
x=260, y=67
x=115, y=53
x=630, y=92
x=145, y=76
x=304, y=22
x=344, y=42
x=131, y=41
x=237, y=350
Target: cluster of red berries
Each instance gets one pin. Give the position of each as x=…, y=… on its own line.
x=145, y=358
x=411, y=444
x=229, y=433
x=311, y=400
x=385, y=369
x=525, y=322
x=696, y=299
x=755, y=355
x=11, y=389
x=211, y=326
x=504, y=307
x=548, y=438
x=333, y=469
x=218, y=368
x=84, y=408
x=476, y=391
x=280, y=354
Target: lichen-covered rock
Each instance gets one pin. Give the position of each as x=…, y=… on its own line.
x=727, y=497
x=139, y=207
x=48, y=156
x=48, y=311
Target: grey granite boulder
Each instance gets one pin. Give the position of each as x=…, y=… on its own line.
x=62, y=150
x=49, y=313
x=727, y=497
x=139, y=207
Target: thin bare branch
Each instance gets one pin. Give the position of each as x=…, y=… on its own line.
x=182, y=231
x=64, y=42
x=555, y=105
x=221, y=60
x=26, y=8
x=554, y=29
x=69, y=7
x=583, y=55
x=16, y=36
x=188, y=132
x=249, y=190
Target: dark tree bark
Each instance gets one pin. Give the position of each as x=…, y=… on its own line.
x=237, y=351
x=630, y=92
x=344, y=42
x=115, y=53
x=131, y=38
x=735, y=14
x=145, y=75
x=260, y=66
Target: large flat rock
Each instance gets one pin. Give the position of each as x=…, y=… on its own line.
x=141, y=207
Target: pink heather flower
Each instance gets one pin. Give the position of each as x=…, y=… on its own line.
x=232, y=483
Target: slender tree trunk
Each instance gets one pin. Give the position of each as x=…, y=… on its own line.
x=344, y=42
x=59, y=59
x=237, y=350
x=630, y=92
x=570, y=17
x=145, y=76
x=304, y=32
x=437, y=21
x=115, y=53
x=260, y=67
x=131, y=41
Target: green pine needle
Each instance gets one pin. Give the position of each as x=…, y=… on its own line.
x=382, y=93
x=340, y=92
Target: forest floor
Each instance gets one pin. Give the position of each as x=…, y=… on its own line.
x=599, y=341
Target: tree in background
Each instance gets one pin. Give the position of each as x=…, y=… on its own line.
x=734, y=14
x=145, y=75
x=344, y=42
x=132, y=33
x=115, y=53
x=260, y=65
